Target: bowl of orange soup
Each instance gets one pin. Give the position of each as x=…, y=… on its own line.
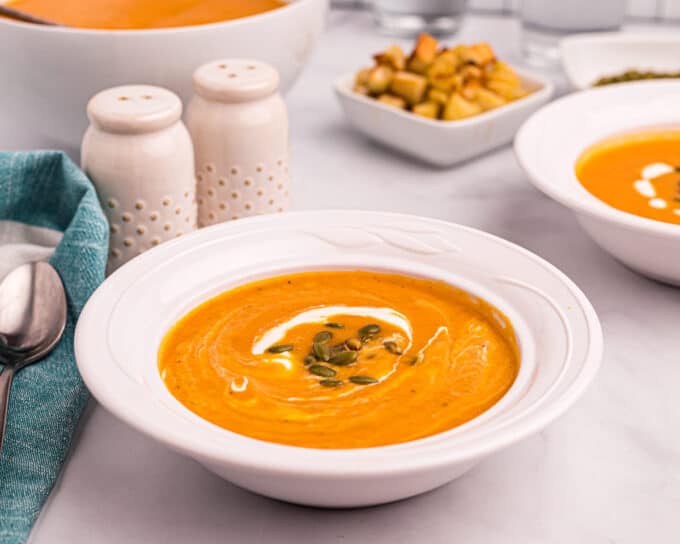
x=338, y=358
x=55, y=70
x=612, y=155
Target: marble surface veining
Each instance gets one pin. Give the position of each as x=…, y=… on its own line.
x=606, y=472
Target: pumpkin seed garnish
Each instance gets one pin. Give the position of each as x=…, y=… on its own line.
x=330, y=383
x=353, y=343
x=416, y=359
x=371, y=328
x=337, y=348
x=322, y=370
x=280, y=348
x=322, y=351
x=392, y=347
x=323, y=336
x=343, y=358
x=334, y=325
x=309, y=360
x=362, y=380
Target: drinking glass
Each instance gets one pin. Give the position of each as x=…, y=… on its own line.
x=545, y=22
x=410, y=17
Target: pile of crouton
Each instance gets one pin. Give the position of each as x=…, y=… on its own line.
x=440, y=83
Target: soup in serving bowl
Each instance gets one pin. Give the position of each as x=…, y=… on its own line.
x=59, y=69
x=340, y=359
x=132, y=14
x=620, y=141
x=522, y=305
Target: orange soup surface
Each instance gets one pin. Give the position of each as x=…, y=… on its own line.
x=340, y=359
x=638, y=173
x=138, y=14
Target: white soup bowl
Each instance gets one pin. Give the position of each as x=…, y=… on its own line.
x=121, y=327
x=550, y=142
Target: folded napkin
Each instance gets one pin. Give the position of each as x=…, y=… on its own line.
x=48, y=210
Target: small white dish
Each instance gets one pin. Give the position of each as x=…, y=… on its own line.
x=549, y=143
x=121, y=327
x=588, y=57
x=441, y=143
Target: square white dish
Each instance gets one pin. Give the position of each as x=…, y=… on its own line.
x=441, y=143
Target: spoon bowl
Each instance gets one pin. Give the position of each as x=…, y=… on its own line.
x=32, y=321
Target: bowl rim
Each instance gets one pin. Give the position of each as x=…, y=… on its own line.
x=545, y=89
x=585, y=203
x=653, y=36
x=210, y=452
x=290, y=6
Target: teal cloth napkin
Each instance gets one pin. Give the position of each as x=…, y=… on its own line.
x=45, y=189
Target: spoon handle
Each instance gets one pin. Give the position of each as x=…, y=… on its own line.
x=5, y=385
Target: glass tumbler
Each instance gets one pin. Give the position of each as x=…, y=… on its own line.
x=545, y=22
x=409, y=18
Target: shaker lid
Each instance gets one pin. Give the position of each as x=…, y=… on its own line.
x=134, y=109
x=235, y=80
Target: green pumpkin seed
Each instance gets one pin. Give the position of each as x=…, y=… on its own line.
x=330, y=383
x=334, y=325
x=343, y=358
x=392, y=347
x=416, y=359
x=323, y=336
x=337, y=348
x=362, y=380
x=322, y=370
x=322, y=351
x=280, y=348
x=309, y=360
x=353, y=344
x=371, y=328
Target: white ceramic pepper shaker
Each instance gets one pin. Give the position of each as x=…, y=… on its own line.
x=139, y=156
x=239, y=126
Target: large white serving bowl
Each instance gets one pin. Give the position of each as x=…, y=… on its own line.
x=549, y=143
x=49, y=73
x=442, y=143
x=121, y=327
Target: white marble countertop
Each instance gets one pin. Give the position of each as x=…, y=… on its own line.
x=608, y=471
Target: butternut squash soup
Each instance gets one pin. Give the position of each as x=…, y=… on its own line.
x=638, y=173
x=138, y=14
x=341, y=359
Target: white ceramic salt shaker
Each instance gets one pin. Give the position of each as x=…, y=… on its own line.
x=139, y=156
x=239, y=126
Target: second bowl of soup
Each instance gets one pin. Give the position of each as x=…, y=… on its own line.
x=612, y=155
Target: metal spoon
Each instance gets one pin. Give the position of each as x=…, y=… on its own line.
x=32, y=320
x=14, y=13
